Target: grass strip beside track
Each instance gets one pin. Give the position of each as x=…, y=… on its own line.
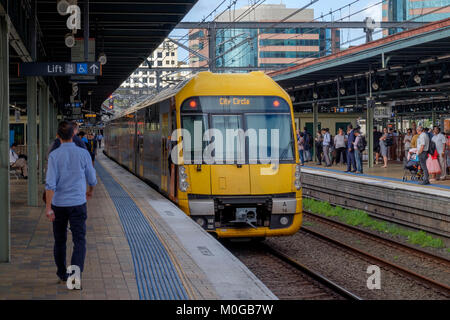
x=362, y=218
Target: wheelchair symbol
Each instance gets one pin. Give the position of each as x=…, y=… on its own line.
x=82, y=68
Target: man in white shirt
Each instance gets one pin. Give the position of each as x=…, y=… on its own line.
x=440, y=142
x=16, y=162
x=423, y=144
x=326, y=147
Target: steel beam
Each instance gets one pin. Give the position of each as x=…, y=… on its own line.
x=32, y=150
x=5, y=215
x=290, y=25
x=369, y=133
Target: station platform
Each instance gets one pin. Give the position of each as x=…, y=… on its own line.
x=394, y=172
x=139, y=246
x=382, y=193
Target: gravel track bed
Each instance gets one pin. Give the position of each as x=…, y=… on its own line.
x=284, y=280
x=350, y=270
x=423, y=265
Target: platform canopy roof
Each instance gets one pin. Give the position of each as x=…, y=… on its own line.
x=423, y=51
x=126, y=31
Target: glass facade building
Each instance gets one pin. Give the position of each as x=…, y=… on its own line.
x=414, y=10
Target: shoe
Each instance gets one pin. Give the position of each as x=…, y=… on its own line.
x=347, y=171
x=424, y=182
x=353, y=171
x=358, y=172
x=63, y=279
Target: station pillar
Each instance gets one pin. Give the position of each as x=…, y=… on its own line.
x=369, y=126
x=4, y=143
x=44, y=132
x=32, y=151
x=315, y=125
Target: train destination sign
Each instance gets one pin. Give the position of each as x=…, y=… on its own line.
x=60, y=69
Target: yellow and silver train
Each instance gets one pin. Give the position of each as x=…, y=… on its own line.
x=236, y=191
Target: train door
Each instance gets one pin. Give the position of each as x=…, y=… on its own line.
x=140, y=144
x=164, y=150
x=171, y=166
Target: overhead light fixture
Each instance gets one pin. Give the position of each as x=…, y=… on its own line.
x=342, y=91
x=315, y=95
x=417, y=79
x=69, y=40
x=375, y=86
x=102, y=58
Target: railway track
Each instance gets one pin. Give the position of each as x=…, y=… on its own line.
x=425, y=280
x=286, y=277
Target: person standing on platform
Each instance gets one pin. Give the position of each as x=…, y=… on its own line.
x=350, y=149
x=376, y=144
x=326, y=147
x=69, y=167
x=440, y=141
x=339, y=145
x=301, y=147
x=384, y=147
x=319, y=147
x=91, y=146
x=99, y=139
x=308, y=145
x=359, y=149
x=407, y=141
x=423, y=144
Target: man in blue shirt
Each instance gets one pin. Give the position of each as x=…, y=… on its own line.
x=351, y=161
x=69, y=167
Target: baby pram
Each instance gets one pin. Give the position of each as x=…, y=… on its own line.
x=412, y=171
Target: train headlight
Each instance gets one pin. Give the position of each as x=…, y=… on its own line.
x=184, y=185
x=284, y=220
x=298, y=174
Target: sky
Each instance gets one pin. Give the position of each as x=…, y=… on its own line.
x=204, y=7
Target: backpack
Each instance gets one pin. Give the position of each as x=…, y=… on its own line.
x=362, y=144
x=431, y=147
x=389, y=141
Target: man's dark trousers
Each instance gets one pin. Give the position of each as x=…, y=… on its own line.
x=77, y=216
x=351, y=161
x=423, y=164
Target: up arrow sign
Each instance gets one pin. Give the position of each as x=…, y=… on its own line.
x=94, y=68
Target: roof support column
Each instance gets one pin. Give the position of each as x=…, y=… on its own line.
x=315, y=126
x=212, y=48
x=369, y=126
x=32, y=151
x=5, y=215
x=43, y=129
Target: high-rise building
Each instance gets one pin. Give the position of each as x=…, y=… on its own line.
x=414, y=10
x=166, y=55
x=271, y=47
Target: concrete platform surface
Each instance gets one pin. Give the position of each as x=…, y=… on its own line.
x=179, y=255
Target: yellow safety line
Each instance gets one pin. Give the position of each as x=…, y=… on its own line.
x=174, y=259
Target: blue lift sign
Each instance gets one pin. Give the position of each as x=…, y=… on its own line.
x=60, y=69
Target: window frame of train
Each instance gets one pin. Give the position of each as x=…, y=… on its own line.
x=243, y=111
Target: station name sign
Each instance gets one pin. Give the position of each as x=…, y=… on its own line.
x=60, y=69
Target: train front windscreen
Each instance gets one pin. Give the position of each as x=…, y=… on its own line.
x=251, y=129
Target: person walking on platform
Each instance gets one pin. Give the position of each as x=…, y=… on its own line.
x=91, y=145
x=76, y=139
x=69, y=167
x=351, y=161
x=440, y=141
x=326, y=147
x=99, y=139
x=423, y=144
x=308, y=145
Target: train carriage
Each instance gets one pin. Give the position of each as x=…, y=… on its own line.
x=232, y=165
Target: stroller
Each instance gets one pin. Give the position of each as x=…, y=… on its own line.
x=412, y=169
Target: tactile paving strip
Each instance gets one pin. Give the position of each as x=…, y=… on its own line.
x=156, y=275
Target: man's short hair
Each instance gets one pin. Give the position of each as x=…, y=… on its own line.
x=74, y=125
x=65, y=130
x=350, y=126
x=437, y=128
x=14, y=145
